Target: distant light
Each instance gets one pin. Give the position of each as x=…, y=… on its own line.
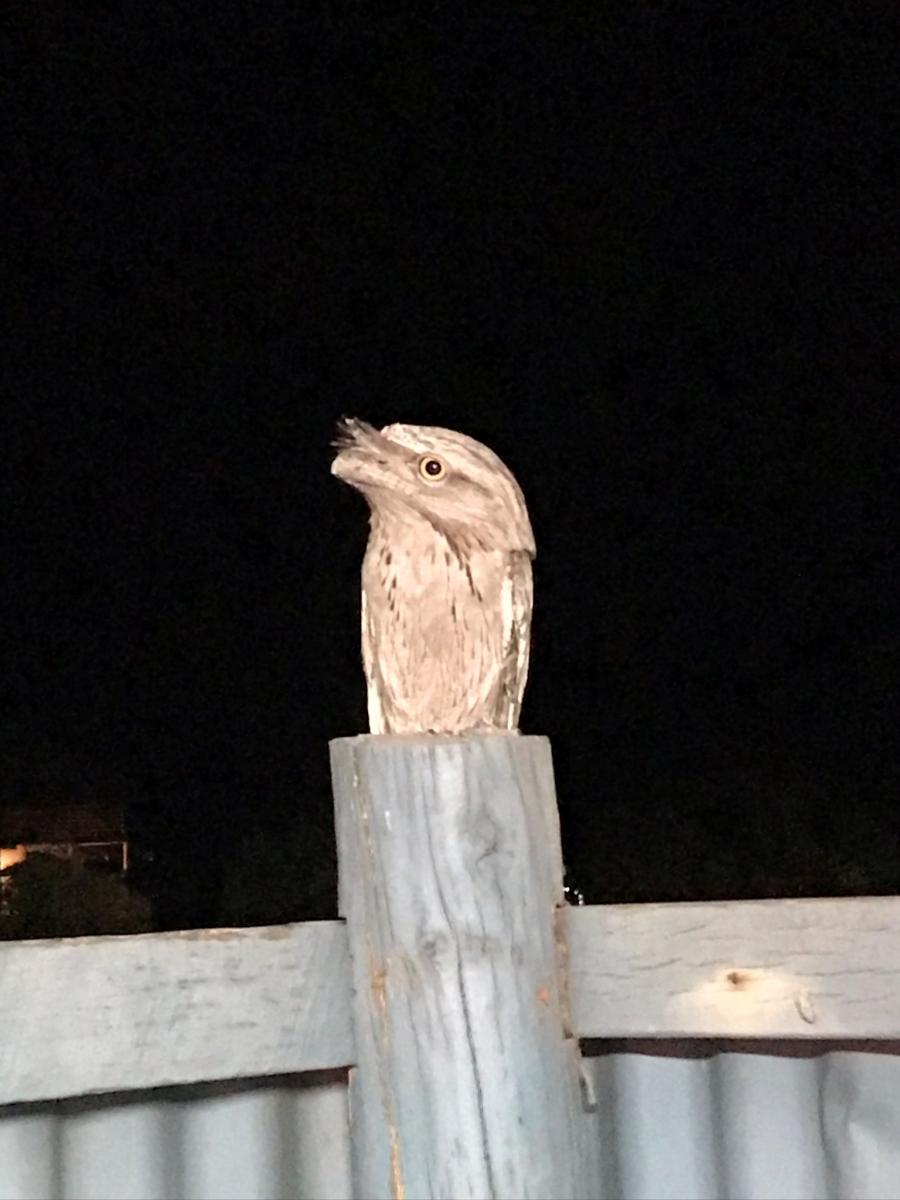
x=10, y=855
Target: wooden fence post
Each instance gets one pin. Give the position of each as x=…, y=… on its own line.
x=466, y=1082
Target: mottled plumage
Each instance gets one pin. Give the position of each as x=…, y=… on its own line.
x=446, y=579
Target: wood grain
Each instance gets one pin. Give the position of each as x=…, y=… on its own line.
x=740, y=969
x=86, y=1015
x=450, y=875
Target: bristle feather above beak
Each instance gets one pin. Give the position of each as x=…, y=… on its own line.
x=346, y=433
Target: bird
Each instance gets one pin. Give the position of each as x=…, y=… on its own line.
x=446, y=579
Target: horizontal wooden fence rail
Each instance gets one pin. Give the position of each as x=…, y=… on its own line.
x=93, y=1015
x=106, y=1014
x=737, y=969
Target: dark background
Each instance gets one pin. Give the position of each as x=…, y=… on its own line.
x=647, y=253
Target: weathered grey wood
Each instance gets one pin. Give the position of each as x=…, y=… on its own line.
x=450, y=877
x=742, y=969
x=89, y=1015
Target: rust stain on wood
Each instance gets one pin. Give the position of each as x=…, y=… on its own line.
x=562, y=968
x=398, y=1188
x=740, y=980
x=207, y=935
x=377, y=985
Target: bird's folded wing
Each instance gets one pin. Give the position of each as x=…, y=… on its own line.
x=516, y=602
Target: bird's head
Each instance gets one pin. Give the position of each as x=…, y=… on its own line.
x=450, y=481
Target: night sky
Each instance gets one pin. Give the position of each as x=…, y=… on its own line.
x=648, y=254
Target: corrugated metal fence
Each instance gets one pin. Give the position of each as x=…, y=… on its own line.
x=770, y=1121
x=259, y=1139
x=686, y=1121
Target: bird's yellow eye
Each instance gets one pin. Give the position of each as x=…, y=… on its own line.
x=432, y=469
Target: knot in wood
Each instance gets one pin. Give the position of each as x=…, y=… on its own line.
x=434, y=945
